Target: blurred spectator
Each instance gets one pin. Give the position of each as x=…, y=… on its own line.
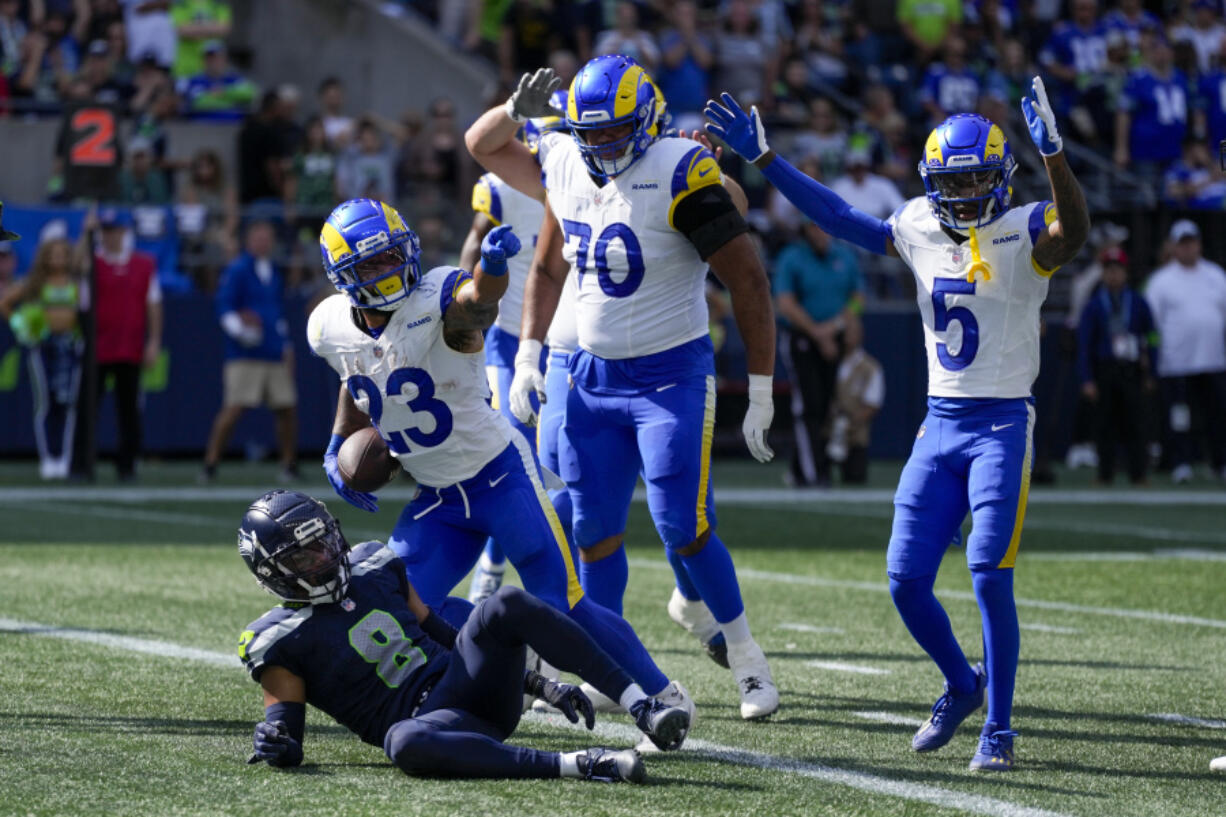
x=149, y=80
x=744, y=63
x=292, y=133
x=1195, y=182
x=819, y=44
x=150, y=31
x=1211, y=109
x=1152, y=119
x=367, y=167
x=793, y=94
x=1117, y=360
x=687, y=56
x=1206, y=32
x=259, y=356
x=818, y=291
x=926, y=24
x=590, y=17
x=196, y=23
x=163, y=105
x=219, y=93
x=859, y=393
x=311, y=184
x=42, y=311
x=211, y=205
x=950, y=87
x=12, y=33
x=445, y=161
x=8, y=266
x=530, y=29
x=1188, y=299
x=261, y=155
x=565, y=64
x=1075, y=55
x=338, y=126
x=865, y=190
x=825, y=139
x=887, y=129
x=128, y=326
x=87, y=154
x=48, y=62
x=1131, y=20
x=102, y=15
x=99, y=73
x=626, y=37
x=141, y=182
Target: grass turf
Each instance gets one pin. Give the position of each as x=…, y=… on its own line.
x=87, y=728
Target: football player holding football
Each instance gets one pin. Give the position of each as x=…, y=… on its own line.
x=407, y=345
x=982, y=268
x=352, y=638
x=642, y=217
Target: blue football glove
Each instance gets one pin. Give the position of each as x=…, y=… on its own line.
x=498, y=245
x=357, y=499
x=274, y=746
x=743, y=132
x=1041, y=120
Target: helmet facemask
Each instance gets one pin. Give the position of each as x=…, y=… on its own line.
x=962, y=198
x=608, y=159
x=381, y=279
x=312, y=568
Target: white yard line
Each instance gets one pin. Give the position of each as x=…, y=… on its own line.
x=809, y=628
x=1048, y=628
x=873, y=784
x=889, y=717
x=1184, y=720
x=838, y=666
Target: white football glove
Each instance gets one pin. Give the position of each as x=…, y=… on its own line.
x=758, y=418
x=528, y=380
x=531, y=98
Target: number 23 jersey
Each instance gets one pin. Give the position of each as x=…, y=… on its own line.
x=641, y=284
x=981, y=334
x=429, y=401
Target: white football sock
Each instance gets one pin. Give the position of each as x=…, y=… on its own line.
x=736, y=632
x=633, y=694
x=569, y=765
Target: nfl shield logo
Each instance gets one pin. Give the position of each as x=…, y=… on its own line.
x=378, y=351
x=958, y=256
x=347, y=605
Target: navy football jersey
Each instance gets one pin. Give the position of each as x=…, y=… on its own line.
x=363, y=659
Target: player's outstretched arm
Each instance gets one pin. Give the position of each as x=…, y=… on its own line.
x=491, y=139
x=1064, y=237
x=278, y=738
x=475, y=305
x=744, y=134
x=541, y=293
x=737, y=265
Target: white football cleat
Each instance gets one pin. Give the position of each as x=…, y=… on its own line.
x=696, y=619
x=1218, y=764
x=487, y=578
x=674, y=695
x=759, y=695
x=600, y=701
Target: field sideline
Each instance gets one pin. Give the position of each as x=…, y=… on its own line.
x=120, y=692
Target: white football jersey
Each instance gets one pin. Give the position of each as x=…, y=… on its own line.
x=563, y=333
x=506, y=205
x=640, y=283
x=429, y=402
x=979, y=300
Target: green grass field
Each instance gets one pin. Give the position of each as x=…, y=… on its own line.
x=120, y=692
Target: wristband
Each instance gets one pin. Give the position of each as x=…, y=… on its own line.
x=529, y=354
x=761, y=387
x=493, y=267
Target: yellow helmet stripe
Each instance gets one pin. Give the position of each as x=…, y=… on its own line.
x=995, y=148
x=626, y=99
x=572, y=110
x=334, y=242
x=932, y=150
x=394, y=221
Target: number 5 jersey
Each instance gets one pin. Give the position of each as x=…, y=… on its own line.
x=979, y=300
x=429, y=401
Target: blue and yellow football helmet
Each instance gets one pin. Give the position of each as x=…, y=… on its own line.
x=609, y=91
x=968, y=171
x=534, y=129
x=370, y=254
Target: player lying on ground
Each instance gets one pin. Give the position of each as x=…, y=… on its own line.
x=981, y=272
x=353, y=639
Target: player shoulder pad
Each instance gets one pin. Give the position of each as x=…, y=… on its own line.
x=487, y=197
x=258, y=643
x=330, y=327
x=693, y=169
x=440, y=286
x=370, y=557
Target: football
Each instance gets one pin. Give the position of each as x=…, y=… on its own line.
x=364, y=461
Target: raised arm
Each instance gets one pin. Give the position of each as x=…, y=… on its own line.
x=1065, y=235
x=491, y=139
x=475, y=304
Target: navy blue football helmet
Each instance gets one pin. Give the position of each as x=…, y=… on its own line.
x=968, y=171
x=295, y=548
x=370, y=254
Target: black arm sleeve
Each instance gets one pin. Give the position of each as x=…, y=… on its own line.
x=709, y=219
x=440, y=630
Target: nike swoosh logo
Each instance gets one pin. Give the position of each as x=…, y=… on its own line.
x=494, y=482
x=666, y=388
x=702, y=173
x=1000, y=428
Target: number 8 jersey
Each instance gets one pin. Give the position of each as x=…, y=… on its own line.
x=429, y=401
x=640, y=280
x=979, y=300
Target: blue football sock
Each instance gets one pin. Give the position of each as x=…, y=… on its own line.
x=616, y=637
x=604, y=581
x=1001, y=640
x=682, y=576
x=493, y=552
x=929, y=626
x=711, y=571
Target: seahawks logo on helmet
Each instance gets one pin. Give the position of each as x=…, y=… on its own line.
x=967, y=171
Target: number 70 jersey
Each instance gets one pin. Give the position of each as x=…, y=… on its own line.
x=429, y=401
x=979, y=300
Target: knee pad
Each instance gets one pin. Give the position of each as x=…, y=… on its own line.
x=904, y=589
